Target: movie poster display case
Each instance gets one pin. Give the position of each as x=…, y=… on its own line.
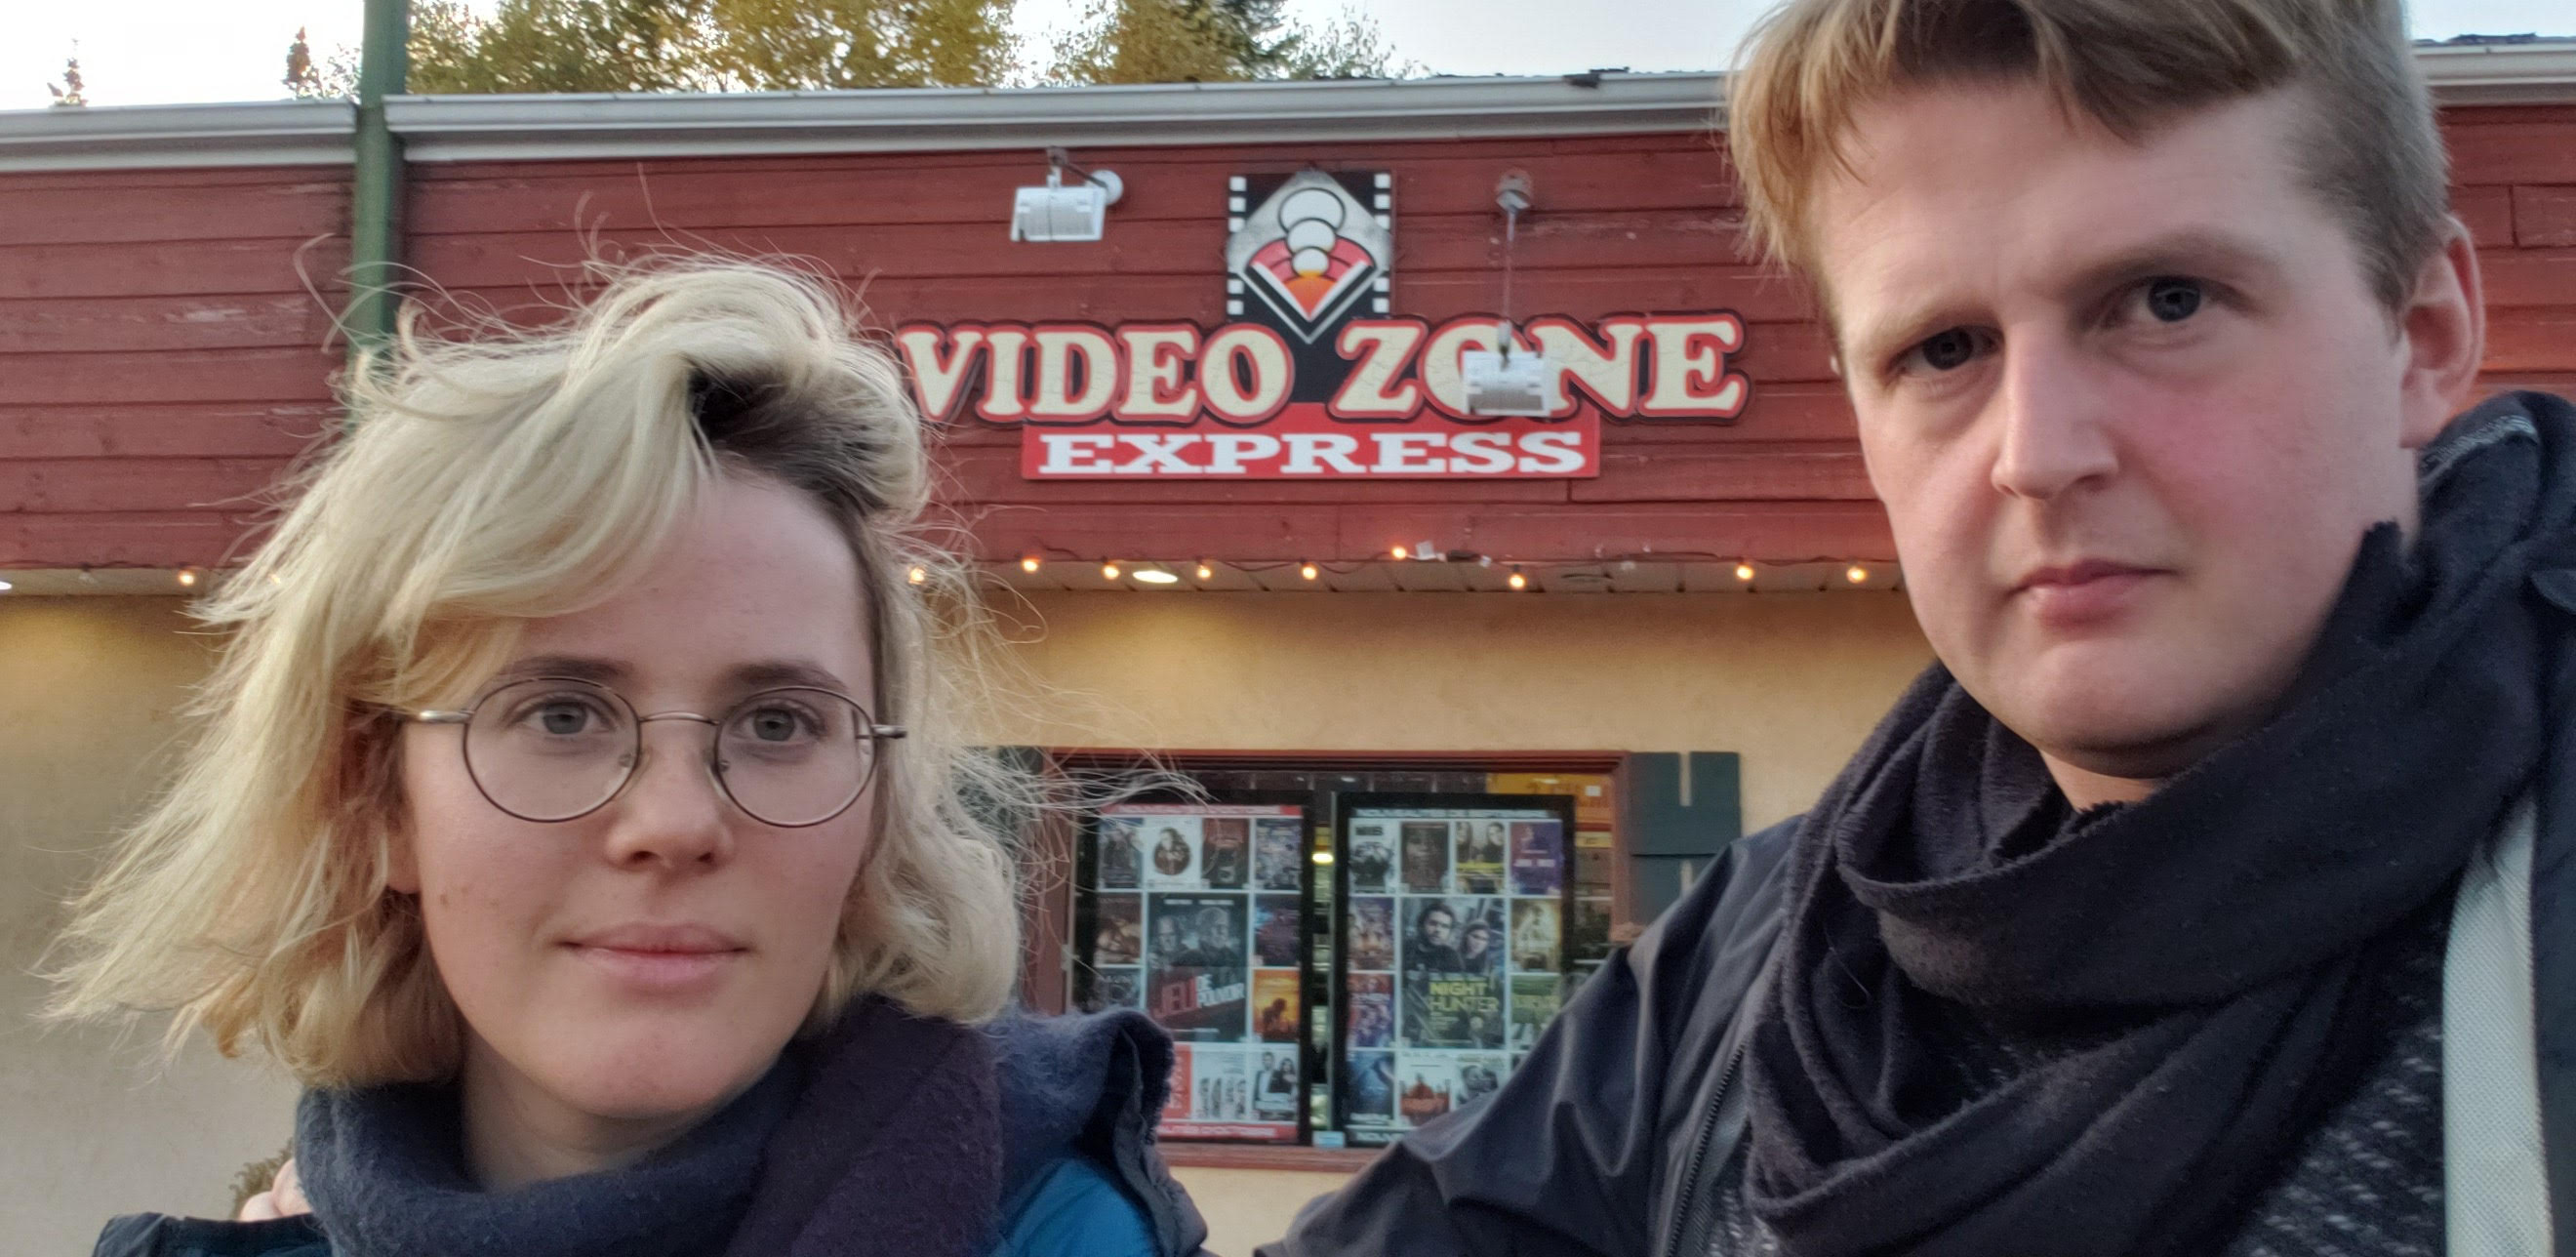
x=1451, y=949
x=1193, y=912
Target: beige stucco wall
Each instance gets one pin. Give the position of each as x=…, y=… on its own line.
x=1792, y=682
x=88, y=690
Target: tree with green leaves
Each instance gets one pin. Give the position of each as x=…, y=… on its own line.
x=1217, y=41
x=686, y=46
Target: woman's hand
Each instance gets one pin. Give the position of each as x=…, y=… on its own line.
x=284, y=1198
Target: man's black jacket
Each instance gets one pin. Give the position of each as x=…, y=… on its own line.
x=1608, y=1141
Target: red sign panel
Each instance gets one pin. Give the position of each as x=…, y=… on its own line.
x=1313, y=379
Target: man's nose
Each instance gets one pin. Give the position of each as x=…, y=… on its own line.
x=2055, y=420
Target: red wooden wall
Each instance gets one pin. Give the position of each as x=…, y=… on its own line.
x=161, y=355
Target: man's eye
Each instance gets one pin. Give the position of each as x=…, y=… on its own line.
x=2171, y=300
x=1946, y=350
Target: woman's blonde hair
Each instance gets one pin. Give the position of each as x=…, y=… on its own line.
x=490, y=480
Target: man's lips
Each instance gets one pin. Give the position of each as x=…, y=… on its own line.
x=2082, y=594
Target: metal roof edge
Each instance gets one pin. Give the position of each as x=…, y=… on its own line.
x=468, y=128
x=108, y=137
x=2537, y=73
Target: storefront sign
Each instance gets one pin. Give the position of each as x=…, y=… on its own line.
x=1311, y=378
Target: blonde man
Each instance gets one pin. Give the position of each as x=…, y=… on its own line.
x=2208, y=895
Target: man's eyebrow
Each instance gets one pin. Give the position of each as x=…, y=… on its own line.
x=2197, y=251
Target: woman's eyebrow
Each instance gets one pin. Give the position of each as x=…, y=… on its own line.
x=772, y=673
x=597, y=671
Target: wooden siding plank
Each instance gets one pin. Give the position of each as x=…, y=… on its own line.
x=1688, y=473
x=2532, y=339
x=172, y=430
x=2488, y=214
x=132, y=216
x=143, y=539
x=2513, y=153
x=82, y=486
x=2516, y=278
x=91, y=324
x=1765, y=532
x=2544, y=217
x=175, y=269
x=195, y=375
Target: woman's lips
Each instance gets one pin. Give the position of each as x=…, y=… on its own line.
x=661, y=972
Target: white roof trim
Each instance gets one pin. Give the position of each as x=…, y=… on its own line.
x=2501, y=74
x=102, y=137
x=470, y=128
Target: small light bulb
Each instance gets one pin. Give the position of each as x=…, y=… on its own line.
x=6, y=587
x=1400, y=554
x=1856, y=573
x=1744, y=571
x=188, y=577
x=1029, y=564
x=1323, y=857
x=1309, y=571
x=1517, y=580
x=1108, y=571
x=917, y=575
x=1206, y=572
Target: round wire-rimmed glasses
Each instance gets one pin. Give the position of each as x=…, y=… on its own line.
x=551, y=749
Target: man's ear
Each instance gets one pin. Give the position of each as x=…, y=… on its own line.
x=2444, y=325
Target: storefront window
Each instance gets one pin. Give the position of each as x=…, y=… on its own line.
x=1320, y=939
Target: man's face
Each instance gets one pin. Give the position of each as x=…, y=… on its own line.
x=1438, y=928
x=2130, y=407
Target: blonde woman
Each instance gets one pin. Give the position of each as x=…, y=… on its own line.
x=583, y=819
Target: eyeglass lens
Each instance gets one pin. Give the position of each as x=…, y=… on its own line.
x=553, y=749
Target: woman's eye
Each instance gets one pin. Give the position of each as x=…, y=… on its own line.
x=2171, y=300
x=775, y=724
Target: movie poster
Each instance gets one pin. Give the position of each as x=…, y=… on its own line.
x=1118, y=930
x=1372, y=1009
x=1368, y=1089
x=1480, y=1074
x=1277, y=927
x=1274, y=1005
x=1426, y=857
x=1112, y=988
x=1372, y=933
x=1538, y=858
x=1171, y=850
x=1278, y=856
x=1537, y=936
x=1225, y=851
x=1481, y=849
x=1121, y=857
x=1452, y=979
x=1274, y=1086
x=1535, y=999
x=1221, y=1086
x=1426, y=1086
x=1196, y=981
x=1371, y=858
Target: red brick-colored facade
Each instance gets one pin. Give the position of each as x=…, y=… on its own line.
x=163, y=332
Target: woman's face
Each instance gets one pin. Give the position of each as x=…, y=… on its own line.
x=557, y=940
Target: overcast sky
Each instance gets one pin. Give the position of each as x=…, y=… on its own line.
x=136, y=52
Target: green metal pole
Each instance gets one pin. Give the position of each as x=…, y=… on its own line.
x=375, y=230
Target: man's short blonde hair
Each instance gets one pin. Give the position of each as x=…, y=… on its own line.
x=491, y=480
x=2371, y=150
